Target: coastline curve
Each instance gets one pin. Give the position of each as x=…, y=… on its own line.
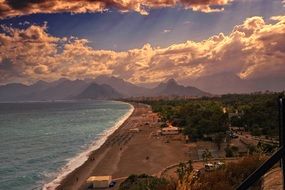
x=82, y=157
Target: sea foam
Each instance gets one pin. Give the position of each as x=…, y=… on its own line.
x=80, y=159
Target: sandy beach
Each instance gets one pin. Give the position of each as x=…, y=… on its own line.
x=131, y=149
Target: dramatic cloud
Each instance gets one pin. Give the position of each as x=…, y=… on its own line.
x=253, y=49
x=11, y=8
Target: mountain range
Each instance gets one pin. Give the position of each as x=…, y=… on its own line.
x=103, y=87
x=110, y=87
x=224, y=83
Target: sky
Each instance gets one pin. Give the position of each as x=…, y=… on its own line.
x=141, y=41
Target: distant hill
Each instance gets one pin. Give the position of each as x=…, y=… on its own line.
x=123, y=87
x=169, y=88
x=224, y=83
x=10, y=92
x=220, y=83
x=172, y=88
x=103, y=87
x=97, y=91
x=60, y=90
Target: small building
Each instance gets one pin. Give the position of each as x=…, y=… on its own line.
x=170, y=130
x=99, y=181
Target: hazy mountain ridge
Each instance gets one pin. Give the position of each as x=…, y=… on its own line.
x=123, y=87
x=172, y=88
x=103, y=87
x=99, y=92
x=64, y=89
x=71, y=89
x=224, y=83
x=10, y=92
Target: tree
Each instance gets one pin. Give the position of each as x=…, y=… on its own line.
x=206, y=155
x=146, y=182
x=231, y=151
x=219, y=139
x=229, y=177
x=184, y=170
x=237, y=121
x=181, y=171
x=189, y=167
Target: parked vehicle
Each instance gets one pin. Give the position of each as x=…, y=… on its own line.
x=219, y=165
x=209, y=167
x=112, y=184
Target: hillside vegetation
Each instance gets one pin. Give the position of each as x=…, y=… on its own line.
x=257, y=113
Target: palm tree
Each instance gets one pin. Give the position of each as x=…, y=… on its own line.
x=206, y=155
x=184, y=170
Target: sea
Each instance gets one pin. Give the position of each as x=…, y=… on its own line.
x=41, y=142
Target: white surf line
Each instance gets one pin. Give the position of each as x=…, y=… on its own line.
x=80, y=159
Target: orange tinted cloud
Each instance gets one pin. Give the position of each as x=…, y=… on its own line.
x=11, y=8
x=253, y=49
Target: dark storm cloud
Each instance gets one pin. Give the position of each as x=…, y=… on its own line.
x=11, y=8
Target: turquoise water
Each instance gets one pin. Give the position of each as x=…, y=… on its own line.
x=38, y=139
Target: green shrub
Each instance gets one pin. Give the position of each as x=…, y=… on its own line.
x=146, y=182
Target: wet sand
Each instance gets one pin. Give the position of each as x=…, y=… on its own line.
x=131, y=149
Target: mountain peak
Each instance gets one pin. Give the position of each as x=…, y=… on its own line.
x=63, y=79
x=171, y=87
x=40, y=83
x=107, y=77
x=120, y=85
x=168, y=84
x=171, y=81
x=99, y=91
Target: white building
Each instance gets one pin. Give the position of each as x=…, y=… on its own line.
x=100, y=181
x=170, y=130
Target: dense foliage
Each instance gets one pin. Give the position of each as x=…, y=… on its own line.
x=146, y=182
x=230, y=176
x=196, y=117
x=258, y=113
x=184, y=170
x=227, y=177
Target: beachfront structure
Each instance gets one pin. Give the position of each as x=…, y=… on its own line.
x=100, y=181
x=170, y=130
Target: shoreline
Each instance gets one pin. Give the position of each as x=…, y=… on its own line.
x=132, y=149
x=81, y=158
